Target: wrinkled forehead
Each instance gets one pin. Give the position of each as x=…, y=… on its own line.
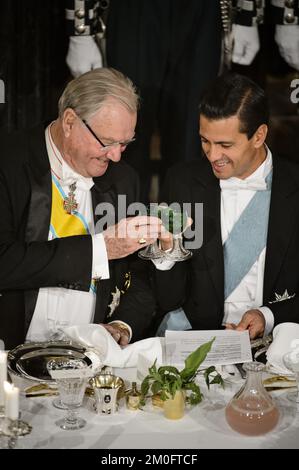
x=115, y=119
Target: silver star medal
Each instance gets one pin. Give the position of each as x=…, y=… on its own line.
x=281, y=298
x=115, y=301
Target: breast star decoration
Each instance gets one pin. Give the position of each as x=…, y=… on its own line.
x=282, y=297
x=117, y=294
x=115, y=301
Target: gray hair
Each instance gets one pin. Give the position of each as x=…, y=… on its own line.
x=87, y=93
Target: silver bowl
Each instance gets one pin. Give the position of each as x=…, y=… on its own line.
x=108, y=381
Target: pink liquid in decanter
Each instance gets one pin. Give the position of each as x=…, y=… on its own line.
x=252, y=411
x=251, y=417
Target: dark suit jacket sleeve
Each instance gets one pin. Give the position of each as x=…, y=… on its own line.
x=286, y=311
x=63, y=262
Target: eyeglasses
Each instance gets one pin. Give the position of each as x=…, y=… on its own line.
x=107, y=146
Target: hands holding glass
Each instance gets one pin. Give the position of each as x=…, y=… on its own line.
x=174, y=223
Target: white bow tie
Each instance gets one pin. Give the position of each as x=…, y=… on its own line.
x=251, y=185
x=69, y=177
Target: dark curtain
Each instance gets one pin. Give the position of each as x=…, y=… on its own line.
x=33, y=47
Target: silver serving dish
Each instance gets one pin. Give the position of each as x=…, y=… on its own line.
x=29, y=360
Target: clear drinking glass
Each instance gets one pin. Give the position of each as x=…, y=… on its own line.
x=71, y=386
x=291, y=361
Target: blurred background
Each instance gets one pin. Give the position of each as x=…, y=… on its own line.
x=33, y=47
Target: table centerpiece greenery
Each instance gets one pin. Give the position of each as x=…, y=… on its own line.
x=165, y=381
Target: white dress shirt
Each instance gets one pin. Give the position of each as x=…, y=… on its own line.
x=249, y=293
x=57, y=307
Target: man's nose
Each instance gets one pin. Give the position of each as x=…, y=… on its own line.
x=114, y=153
x=214, y=153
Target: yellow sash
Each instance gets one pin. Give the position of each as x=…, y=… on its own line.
x=63, y=224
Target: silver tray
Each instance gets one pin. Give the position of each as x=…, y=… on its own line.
x=30, y=360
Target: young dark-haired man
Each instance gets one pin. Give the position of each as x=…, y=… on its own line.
x=246, y=274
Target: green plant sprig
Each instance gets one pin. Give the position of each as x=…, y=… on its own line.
x=166, y=380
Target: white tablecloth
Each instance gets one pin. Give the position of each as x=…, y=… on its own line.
x=202, y=427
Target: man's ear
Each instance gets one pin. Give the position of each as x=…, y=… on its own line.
x=260, y=135
x=68, y=120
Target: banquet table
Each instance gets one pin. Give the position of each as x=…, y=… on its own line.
x=202, y=427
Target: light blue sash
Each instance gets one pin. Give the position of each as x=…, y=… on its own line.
x=247, y=239
x=175, y=320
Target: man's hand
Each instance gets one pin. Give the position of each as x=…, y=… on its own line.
x=83, y=55
x=287, y=38
x=131, y=234
x=118, y=332
x=252, y=320
x=246, y=44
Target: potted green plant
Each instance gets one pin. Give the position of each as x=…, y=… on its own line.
x=177, y=387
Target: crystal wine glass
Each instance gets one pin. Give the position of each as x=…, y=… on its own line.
x=152, y=251
x=291, y=361
x=175, y=222
x=71, y=378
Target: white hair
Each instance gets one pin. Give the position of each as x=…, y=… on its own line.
x=87, y=93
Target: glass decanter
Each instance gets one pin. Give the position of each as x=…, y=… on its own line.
x=252, y=411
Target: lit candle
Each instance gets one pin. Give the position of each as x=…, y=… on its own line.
x=11, y=401
x=3, y=376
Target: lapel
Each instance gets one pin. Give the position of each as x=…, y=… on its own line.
x=103, y=191
x=209, y=194
x=39, y=173
x=283, y=207
x=39, y=211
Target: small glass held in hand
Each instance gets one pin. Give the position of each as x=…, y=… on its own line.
x=71, y=376
x=175, y=222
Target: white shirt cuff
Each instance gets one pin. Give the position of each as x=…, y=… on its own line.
x=163, y=265
x=125, y=324
x=100, y=265
x=269, y=319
